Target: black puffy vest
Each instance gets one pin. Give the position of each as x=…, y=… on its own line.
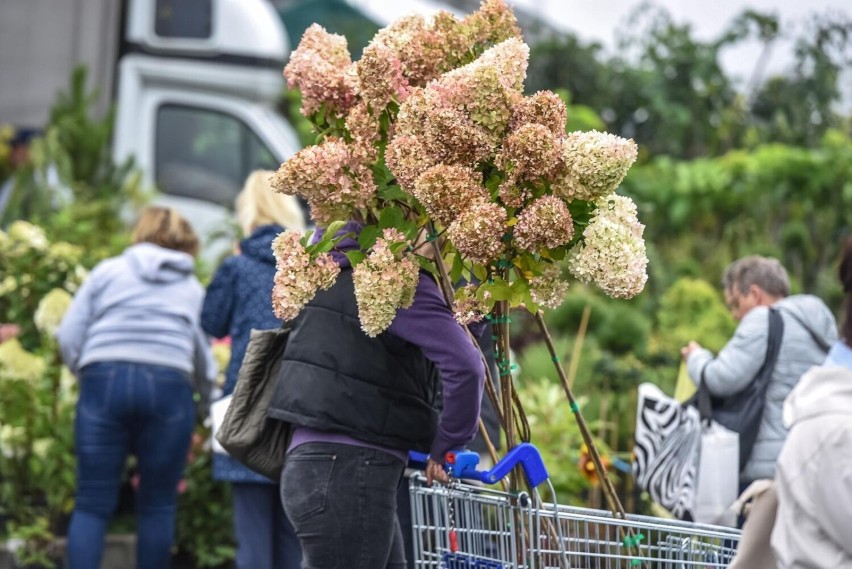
x=334, y=377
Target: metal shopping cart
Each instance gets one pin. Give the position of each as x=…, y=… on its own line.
x=464, y=525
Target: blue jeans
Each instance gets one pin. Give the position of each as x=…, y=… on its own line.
x=342, y=502
x=129, y=408
x=265, y=537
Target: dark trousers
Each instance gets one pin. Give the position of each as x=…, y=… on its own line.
x=128, y=408
x=341, y=500
x=265, y=537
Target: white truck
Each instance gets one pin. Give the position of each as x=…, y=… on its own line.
x=194, y=82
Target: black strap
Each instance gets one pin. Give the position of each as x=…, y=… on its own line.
x=773, y=348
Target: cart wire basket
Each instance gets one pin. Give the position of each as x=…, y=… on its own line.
x=465, y=525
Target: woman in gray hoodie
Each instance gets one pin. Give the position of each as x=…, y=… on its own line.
x=133, y=339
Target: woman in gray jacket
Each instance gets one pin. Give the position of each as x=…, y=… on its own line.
x=132, y=337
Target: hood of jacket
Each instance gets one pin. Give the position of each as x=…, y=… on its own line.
x=821, y=391
x=153, y=263
x=258, y=245
x=812, y=313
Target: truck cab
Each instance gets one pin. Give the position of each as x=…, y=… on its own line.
x=194, y=84
x=197, y=84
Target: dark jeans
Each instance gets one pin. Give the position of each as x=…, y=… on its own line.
x=128, y=408
x=342, y=502
x=265, y=537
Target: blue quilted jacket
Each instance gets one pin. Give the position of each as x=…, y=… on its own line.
x=238, y=299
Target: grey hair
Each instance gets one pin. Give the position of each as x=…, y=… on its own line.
x=765, y=272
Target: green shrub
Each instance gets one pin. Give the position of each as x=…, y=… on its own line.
x=691, y=309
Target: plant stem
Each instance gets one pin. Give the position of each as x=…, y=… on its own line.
x=609, y=489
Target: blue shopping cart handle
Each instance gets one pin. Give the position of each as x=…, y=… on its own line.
x=462, y=464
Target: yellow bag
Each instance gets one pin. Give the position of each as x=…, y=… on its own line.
x=684, y=388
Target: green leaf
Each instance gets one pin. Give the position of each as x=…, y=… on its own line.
x=456, y=271
x=480, y=272
x=332, y=229
x=391, y=217
x=323, y=246
x=398, y=248
x=393, y=192
x=499, y=289
x=368, y=236
x=355, y=256
x=427, y=264
x=520, y=291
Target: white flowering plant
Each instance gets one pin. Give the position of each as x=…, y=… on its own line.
x=37, y=469
x=430, y=139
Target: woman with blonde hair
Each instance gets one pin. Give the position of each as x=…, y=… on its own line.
x=133, y=338
x=238, y=299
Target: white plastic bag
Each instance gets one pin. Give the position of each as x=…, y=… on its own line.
x=718, y=475
x=217, y=415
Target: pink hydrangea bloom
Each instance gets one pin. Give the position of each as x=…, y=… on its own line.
x=297, y=278
x=545, y=108
x=364, y=129
x=467, y=307
x=612, y=252
x=595, y=165
x=446, y=190
x=545, y=223
x=493, y=23
x=478, y=232
x=549, y=289
x=384, y=282
x=413, y=41
x=406, y=157
x=321, y=68
x=380, y=77
x=530, y=152
x=330, y=177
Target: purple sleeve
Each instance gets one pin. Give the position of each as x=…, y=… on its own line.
x=429, y=324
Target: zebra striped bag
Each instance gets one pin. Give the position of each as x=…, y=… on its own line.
x=667, y=450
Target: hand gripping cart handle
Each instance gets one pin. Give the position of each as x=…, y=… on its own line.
x=462, y=465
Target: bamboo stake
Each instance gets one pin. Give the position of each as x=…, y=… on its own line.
x=574, y=364
x=609, y=490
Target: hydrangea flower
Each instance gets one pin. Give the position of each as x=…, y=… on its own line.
x=380, y=78
x=467, y=307
x=612, y=252
x=446, y=190
x=23, y=236
x=478, y=232
x=330, y=177
x=545, y=223
x=17, y=364
x=412, y=42
x=406, y=157
x=48, y=316
x=545, y=108
x=384, y=282
x=595, y=164
x=297, y=278
x=549, y=289
x=321, y=68
x=530, y=152
x=493, y=23
x=364, y=129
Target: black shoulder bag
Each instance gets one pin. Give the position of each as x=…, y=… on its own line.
x=743, y=411
x=246, y=433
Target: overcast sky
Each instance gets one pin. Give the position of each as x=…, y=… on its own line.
x=600, y=19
